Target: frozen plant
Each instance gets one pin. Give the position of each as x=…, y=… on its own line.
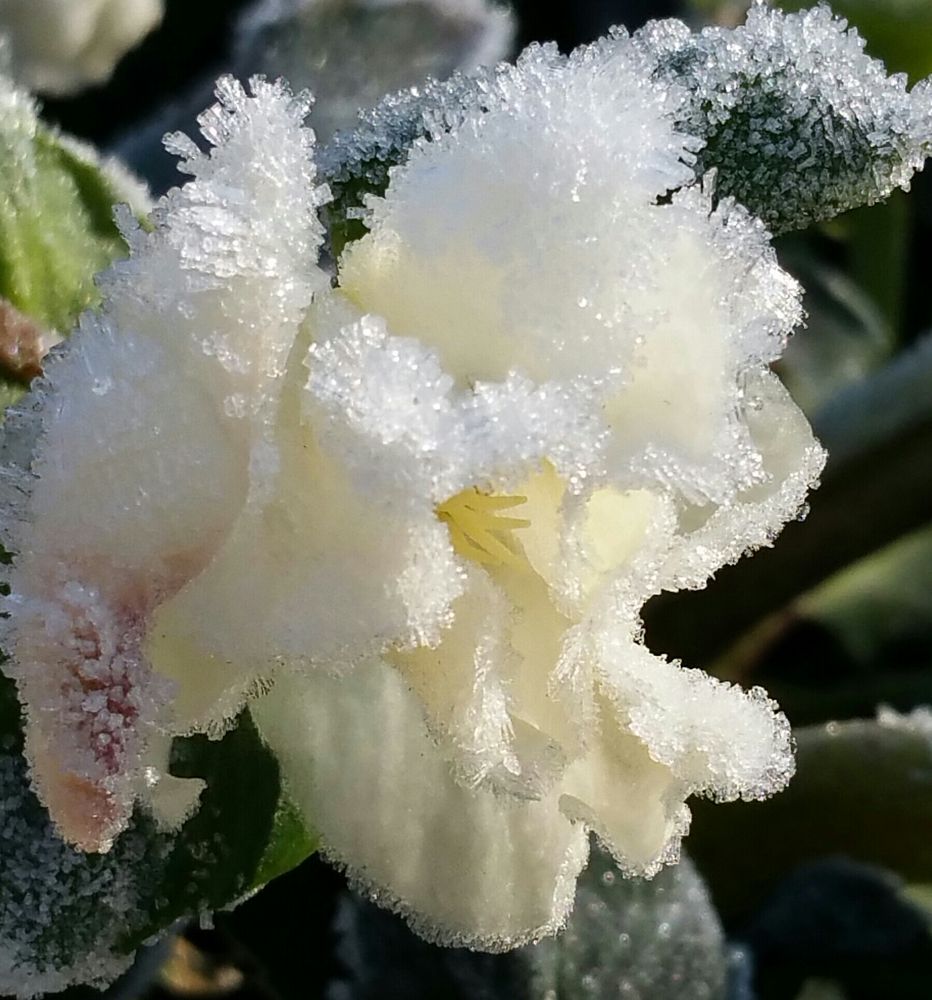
x=410, y=512
x=63, y=46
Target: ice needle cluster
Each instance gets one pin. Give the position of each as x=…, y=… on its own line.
x=795, y=119
x=413, y=512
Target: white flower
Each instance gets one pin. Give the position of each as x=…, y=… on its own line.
x=63, y=46
x=427, y=505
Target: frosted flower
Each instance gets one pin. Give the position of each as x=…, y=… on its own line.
x=63, y=46
x=424, y=506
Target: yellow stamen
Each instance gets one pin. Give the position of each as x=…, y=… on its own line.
x=478, y=532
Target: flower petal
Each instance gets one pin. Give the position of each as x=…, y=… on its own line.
x=148, y=415
x=791, y=461
x=326, y=573
x=464, y=867
x=463, y=686
x=506, y=243
x=715, y=738
x=632, y=803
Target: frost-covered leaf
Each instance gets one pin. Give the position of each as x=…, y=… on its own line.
x=897, y=31
x=637, y=939
x=56, y=217
x=796, y=121
x=62, y=914
x=69, y=918
x=863, y=788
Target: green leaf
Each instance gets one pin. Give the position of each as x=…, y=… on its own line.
x=878, y=239
x=56, y=224
x=880, y=601
x=862, y=789
x=71, y=918
x=657, y=937
x=288, y=845
x=218, y=854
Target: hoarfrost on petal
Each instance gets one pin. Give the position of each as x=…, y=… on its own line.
x=140, y=469
x=559, y=156
x=715, y=738
x=464, y=867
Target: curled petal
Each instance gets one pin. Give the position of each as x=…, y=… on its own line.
x=715, y=738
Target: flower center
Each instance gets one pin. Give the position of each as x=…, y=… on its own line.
x=477, y=529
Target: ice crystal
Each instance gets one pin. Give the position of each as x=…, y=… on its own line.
x=797, y=122
x=62, y=912
x=63, y=46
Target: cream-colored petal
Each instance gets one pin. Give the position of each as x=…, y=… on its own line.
x=314, y=574
x=791, y=461
x=463, y=686
x=632, y=803
x=465, y=867
x=716, y=739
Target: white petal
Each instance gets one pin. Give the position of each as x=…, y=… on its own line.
x=506, y=243
x=632, y=803
x=791, y=461
x=716, y=739
x=141, y=471
x=464, y=867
